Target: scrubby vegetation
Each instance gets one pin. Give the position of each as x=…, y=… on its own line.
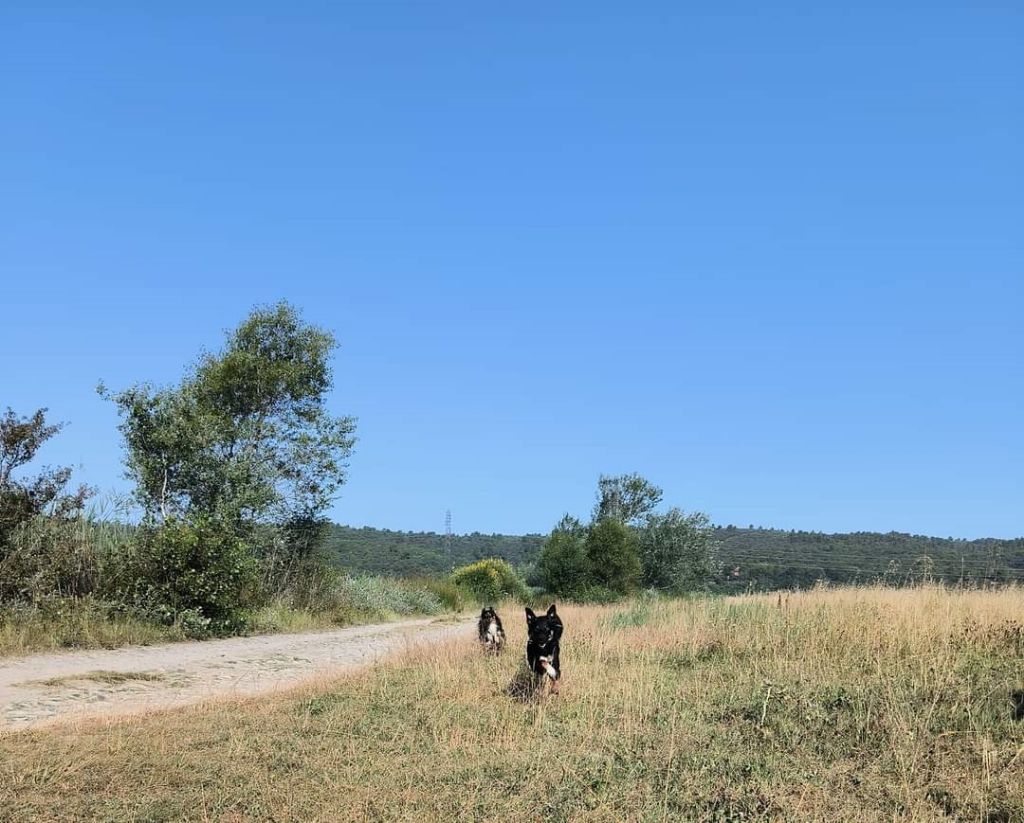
x=856, y=705
x=627, y=543
x=233, y=468
x=491, y=580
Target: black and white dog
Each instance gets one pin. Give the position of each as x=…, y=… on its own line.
x=492, y=635
x=542, y=646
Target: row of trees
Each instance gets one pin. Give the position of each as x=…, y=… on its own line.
x=628, y=544
x=233, y=468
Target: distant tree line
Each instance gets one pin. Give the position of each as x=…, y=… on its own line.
x=766, y=559
x=749, y=558
x=410, y=554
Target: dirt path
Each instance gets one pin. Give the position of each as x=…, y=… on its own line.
x=47, y=688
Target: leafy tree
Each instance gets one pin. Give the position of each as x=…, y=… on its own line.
x=612, y=555
x=628, y=498
x=242, y=449
x=23, y=500
x=42, y=549
x=678, y=551
x=246, y=435
x=563, y=563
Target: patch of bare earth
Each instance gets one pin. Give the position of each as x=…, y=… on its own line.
x=47, y=688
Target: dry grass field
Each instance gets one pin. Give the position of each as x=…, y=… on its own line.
x=851, y=704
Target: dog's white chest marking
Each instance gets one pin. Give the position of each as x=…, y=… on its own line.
x=545, y=663
x=492, y=638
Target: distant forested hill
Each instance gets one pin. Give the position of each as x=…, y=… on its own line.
x=411, y=553
x=761, y=558
x=776, y=559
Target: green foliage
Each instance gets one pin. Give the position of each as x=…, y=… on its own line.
x=412, y=554
x=55, y=622
x=625, y=543
x=611, y=548
x=766, y=559
x=195, y=573
x=448, y=594
x=592, y=593
x=238, y=461
x=678, y=551
x=381, y=597
x=628, y=498
x=304, y=583
x=245, y=435
x=47, y=557
x=491, y=580
x=563, y=564
x=39, y=544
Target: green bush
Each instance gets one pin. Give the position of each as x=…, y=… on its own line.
x=451, y=596
x=47, y=557
x=491, y=580
x=307, y=584
x=612, y=553
x=382, y=597
x=198, y=575
x=563, y=565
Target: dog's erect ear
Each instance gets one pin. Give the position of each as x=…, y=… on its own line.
x=551, y=611
x=530, y=616
x=483, y=612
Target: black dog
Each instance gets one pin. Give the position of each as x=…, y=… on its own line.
x=492, y=635
x=542, y=646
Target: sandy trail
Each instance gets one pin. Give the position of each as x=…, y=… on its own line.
x=48, y=688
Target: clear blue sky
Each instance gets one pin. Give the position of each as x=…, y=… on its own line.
x=768, y=255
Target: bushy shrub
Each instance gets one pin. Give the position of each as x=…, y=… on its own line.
x=451, y=596
x=383, y=597
x=308, y=583
x=44, y=539
x=196, y=574
x=47, y=557
x=491, y=580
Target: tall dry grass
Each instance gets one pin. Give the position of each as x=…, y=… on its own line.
x=853, y=704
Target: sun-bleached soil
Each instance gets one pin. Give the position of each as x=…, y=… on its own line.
x=47, y=688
